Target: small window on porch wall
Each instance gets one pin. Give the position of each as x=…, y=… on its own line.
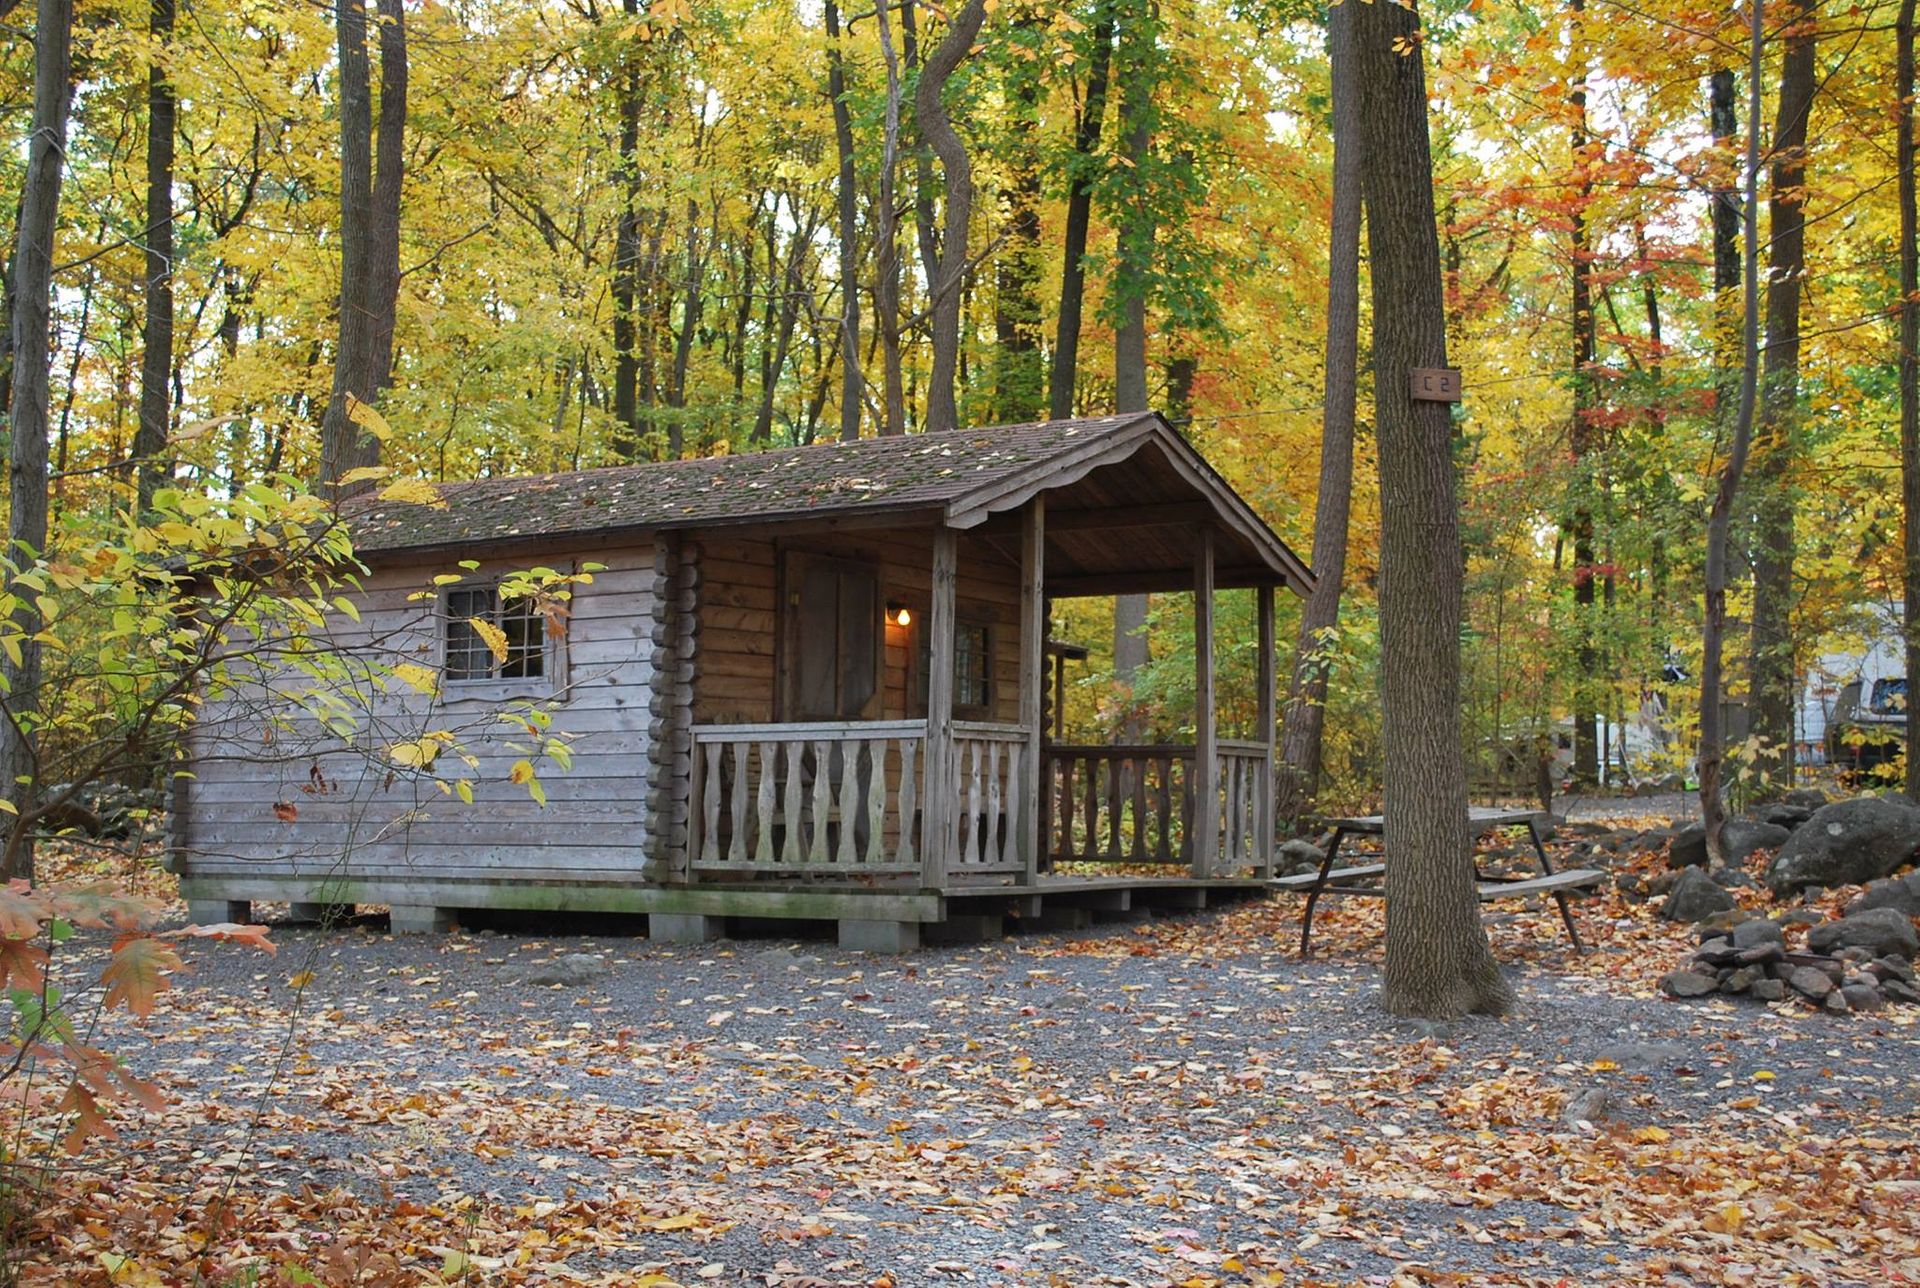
x=972, y=669
x=469, y=659
x=832, y=638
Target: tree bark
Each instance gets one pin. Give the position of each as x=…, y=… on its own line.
x=369, y=234
x=1073, y=253
x=156, y=354
x=1018, y=380
x=1438, y=961
x=936, y=126
x=1720, y=515
x=1133, y=263
x=1304, y=721
x=1586, y=710
x=1770, y=666
x=626, y=261
x=850, y=376
x=1909, y=368
x=886, y=238
x=28, y=406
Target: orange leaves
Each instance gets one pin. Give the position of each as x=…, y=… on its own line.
x=138, y=972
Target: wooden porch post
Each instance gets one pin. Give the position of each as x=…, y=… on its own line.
x=1033, y=667
x=1206, y=786
x=1263, y=814
x=941, y=791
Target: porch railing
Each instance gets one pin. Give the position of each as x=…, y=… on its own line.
x=1129, y=803
x=820, y=798
x=1245, y=777
x=989, y=790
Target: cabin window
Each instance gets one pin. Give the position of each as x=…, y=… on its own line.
x=972, y=669
x=833, y=633
x=469, y=656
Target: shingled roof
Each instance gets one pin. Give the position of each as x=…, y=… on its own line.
x=963, y=476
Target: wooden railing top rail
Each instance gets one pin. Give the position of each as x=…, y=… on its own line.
x=988, y=729
x=1120, y=749
x=810, y=729
x=1242, y=746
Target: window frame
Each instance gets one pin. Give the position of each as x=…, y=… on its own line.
x=495, y=687
x=966, y=616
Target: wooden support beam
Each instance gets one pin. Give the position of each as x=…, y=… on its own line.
x=938, y=812
x=1148, y=583
x=1263, y=813
x=1033, y=663
x=1206, y=768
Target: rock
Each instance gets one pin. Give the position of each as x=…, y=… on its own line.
x=1893, y=968
x=1781, y=814
x=1836, y=1002
x=1661, y=882
x=1810, y=982
x=1298, y=856
x=1846, y=843
x=1641, y=1057
x=1883, y=931
x=1761, y=955
x=1687, y=982
x=1741, y=837
x=1688, y=848
x=1767, y=990
x=1902, y=894
x=1593, y=1105
x=572, y=970
x=1694, y=897
x=1758, y=931
x=1742, y=979
x=1794, y=917
x=1855, y=954
x=1900, y=991
x=1808, y=798
x=1733, y=879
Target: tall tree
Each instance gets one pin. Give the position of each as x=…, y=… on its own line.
x=626, y=248
x=156, y=356
x=886, y=239
x=1304, y=720
x=846, y=194
x=1586, y=713
x=369, y=231
x=1909, y=361
x=1133, y=270
x=27, y=405
x=1083, y=175
x=1438, y=960
x=1712, y=753
x=950, y=263
x=1770, y=667
x=1018, y=380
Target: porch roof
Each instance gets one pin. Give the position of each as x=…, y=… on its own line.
x=1124, y=493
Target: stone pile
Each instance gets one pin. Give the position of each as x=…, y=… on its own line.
x=1856, y=963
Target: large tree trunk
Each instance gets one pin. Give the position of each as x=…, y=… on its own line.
x=27, y=406
x=690, y=301
x=1909, y=368
x=156, y=355
x=626, y=261
x=1073, y=254
x=936, y=126
x=1438, y=960
x=1304, y=720
x=1720, y=516
x=886, y=239
x=369, y=234
x=1586, y=709
x=850, y=381
x=1770, y=674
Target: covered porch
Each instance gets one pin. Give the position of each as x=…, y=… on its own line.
x=942, y=771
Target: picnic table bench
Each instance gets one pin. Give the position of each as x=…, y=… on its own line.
x=1368, y=879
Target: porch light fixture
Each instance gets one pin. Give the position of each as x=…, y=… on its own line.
x=898, y=613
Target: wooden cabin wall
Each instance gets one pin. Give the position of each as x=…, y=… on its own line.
x=738, y=643
x=353, y=816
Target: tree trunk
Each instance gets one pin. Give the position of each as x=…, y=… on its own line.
x=850, y=378
x=886, y=239
x=1133, y=267
x=27, y=406
x=1770, y=666
x=1439, y=963
x=1720, y=515
x=936, y=126
x=626, y=261
x=156, y=355
x=1083, y=174
x=1586, y=745
x=1909, y=367
x=369, y=234
x=1305, y=713
x=690, y=301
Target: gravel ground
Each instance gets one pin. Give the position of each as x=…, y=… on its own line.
x=1114, y=1107
x=1676, y=806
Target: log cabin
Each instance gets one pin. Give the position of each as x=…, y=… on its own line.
x=801, y=684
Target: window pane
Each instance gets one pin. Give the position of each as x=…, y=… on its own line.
x=467, y=655
x=520, y=621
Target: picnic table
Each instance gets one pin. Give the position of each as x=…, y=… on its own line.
x=1369, y=879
